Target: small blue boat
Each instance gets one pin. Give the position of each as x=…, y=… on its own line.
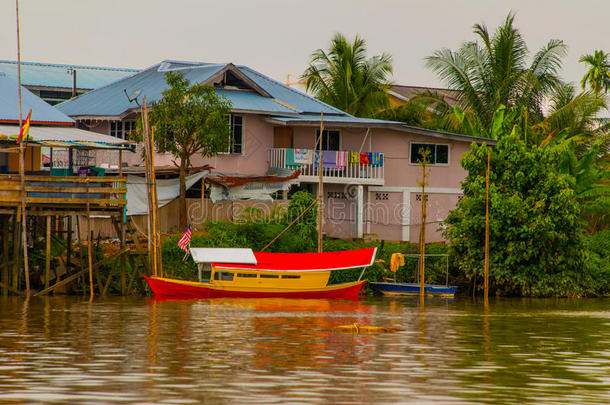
x=412, y=289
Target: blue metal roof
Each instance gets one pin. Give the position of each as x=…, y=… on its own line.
x=339, y=119
x=301, y=101
x=111, y=100
x=55, y=75
x=41, y=111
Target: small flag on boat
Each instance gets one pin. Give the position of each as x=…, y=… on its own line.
x=25, y=128
x=185, y=240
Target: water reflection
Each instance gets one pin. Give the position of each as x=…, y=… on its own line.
x=65, y=349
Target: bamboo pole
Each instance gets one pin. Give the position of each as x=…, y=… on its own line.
x=155, y=203
x=422, y=235
x=486, y=287
x=320, y=183
x=289, y=226
x=151, y=253
x=22, y=165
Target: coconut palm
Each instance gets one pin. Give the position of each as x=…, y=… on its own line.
x=344, y=78
x=598, y=75
x=495, y=72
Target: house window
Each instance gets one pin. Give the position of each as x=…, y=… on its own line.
x=438, y=154
x=122, y=129
x=331, y=139
x=236, y=143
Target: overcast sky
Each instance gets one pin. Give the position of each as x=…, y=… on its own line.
x=276, y=37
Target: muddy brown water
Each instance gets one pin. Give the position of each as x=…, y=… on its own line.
x=143, y=350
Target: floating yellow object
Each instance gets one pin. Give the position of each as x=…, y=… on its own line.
x=358, y=329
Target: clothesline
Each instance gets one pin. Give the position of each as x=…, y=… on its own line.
x=295, y=157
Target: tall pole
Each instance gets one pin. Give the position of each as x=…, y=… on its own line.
x=155, y=203
x=149, y=190
x=422, y=231
x=486, y=287
x=320, y=183
x=22, y=165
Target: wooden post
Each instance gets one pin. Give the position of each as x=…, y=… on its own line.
x=4, y=274
x=486, y=287
x=47, y=262
x=80, y=252
x=122, y=233
x=22, y=166
x=320, y=183
x=89, y=241
x=157, y=239
x=151, y=254
x=16, y=247
x=422, y=235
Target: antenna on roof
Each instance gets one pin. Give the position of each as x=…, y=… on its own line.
x=133, y=96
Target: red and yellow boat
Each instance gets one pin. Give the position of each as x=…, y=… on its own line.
x=241, y=273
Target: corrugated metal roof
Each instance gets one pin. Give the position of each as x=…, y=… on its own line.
x=41, y=111
x=342, y=119
x=56, y=75
x=110, y=100
x=64, y=134
x=303, y=102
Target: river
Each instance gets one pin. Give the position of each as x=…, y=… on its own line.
x=144, y=350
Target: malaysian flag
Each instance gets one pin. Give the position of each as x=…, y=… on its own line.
x=185, y=240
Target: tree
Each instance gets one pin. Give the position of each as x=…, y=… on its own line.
x=344, y=78
x=536, y=242
x=598, y=75
x=189, y=120
x=495, y=72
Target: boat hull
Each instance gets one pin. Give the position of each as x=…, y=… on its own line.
x=167, y=287
x=412, y=289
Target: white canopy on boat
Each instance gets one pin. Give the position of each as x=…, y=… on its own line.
x=223, y=255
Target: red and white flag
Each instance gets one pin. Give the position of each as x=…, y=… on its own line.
x=185, y=240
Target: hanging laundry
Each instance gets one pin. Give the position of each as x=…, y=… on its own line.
x=376, y=159
x=290, y=162
x=329, y=159
x=364, y=158
x=353, y=158
x=341, y=159
x=303, y=156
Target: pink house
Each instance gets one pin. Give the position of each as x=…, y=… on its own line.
x=373, y=190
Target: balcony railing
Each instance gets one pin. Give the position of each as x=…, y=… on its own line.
x=70, y=192
x=362, y=172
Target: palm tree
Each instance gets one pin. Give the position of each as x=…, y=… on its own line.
x=598, y=75
x=496, y=73
x=344, y=78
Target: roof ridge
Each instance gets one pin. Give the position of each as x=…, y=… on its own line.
x=63, y=103
x=293, y=90
x=73, y=66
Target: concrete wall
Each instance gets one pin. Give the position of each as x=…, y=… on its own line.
x=391, y=211
x=258, y=138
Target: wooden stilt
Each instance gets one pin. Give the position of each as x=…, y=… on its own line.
x=89, y=241
x=47, y=262
x=5, y=272
x=80, y=253
x=16, y=247
x=122, y=235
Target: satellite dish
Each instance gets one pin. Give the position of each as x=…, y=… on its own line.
x=133, y=96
